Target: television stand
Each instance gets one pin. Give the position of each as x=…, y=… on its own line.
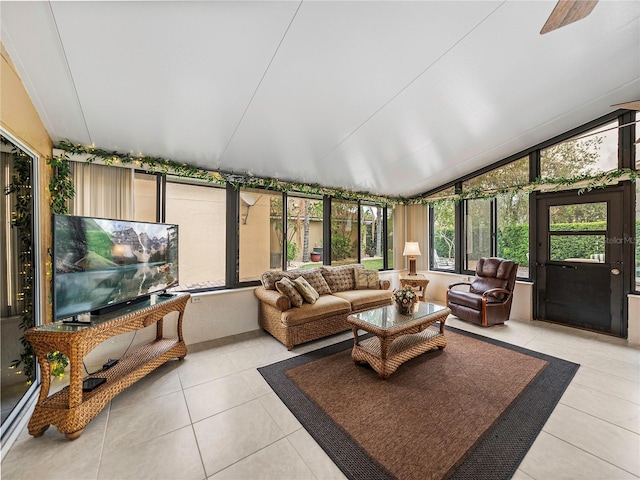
x=71, y=409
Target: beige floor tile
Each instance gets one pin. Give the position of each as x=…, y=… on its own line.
x=194, y=371
x=232, y=435
x=571, y=353
x=607, y=407
x=160, y=382
x=520, y=475
x=266, y=355
x=146, y=420
x=613, y=366
x=278, y=461
x=552, y=458
x=280, y=413
x=171, y=456
x=256, y=382
x=601, y=439
x=612, y=385
x=217, y=396
x=53, y=456
x=314, y=456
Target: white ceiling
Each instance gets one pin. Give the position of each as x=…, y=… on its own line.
x=389, y=97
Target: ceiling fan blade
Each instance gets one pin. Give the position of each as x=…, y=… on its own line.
x=635, y=105
x=566, y=12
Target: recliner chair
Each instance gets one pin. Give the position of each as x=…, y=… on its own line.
x=487, y=301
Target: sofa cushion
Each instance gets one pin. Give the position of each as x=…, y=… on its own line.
x=317, y=281
x=270, y=277
x=366, y=279
x=362, y=299
x=325, y=306
x=309, y=293
x=286, y=287
x=339, y=278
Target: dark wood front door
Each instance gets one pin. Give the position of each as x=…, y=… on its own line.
x=579, y=279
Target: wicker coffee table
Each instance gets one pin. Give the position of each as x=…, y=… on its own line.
x=397, y=338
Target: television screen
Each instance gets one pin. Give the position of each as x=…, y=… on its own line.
x=100, y=264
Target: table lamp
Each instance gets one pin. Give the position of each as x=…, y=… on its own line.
x=411, y=250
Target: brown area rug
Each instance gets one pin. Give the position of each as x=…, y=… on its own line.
x=471, y=410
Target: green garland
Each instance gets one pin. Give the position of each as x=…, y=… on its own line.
x=61, y=184
x=247, y=180
x=218, y=177
x=587, y=182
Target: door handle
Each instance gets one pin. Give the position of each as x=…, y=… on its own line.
x=615, y=271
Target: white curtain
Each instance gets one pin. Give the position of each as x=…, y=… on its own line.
x=102, y=191
x=417, y=230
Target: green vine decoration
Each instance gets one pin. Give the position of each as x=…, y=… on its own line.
x=61, y=184
x=218, y=177
x=587, y=182
x=21, y=219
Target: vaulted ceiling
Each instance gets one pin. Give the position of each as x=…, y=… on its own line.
x=389, y=97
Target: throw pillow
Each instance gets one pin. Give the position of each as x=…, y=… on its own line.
x=286, y=287
x=339, y=278
x=317, y=281
x=367, y=279
x=307, y=291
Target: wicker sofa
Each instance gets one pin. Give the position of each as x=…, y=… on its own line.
x=342, y=290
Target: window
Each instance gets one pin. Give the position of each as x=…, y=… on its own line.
x=260, y=224
x=144, y=199
x=344, y=232
x=305, y=232
x=371, y=236
x=200, y=213
x=443, y=246
x=499, y=226
x=588, y=153
x=578, y=232
x=390, y=242
x=478, y=231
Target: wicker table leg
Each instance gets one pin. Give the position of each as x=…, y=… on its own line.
x=74, y=435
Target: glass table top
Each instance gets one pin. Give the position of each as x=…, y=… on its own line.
x=388, y=317
x=60, y=326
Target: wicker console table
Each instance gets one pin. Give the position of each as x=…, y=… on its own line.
x=71, y=409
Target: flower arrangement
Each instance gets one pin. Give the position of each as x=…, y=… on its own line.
x=404, y=297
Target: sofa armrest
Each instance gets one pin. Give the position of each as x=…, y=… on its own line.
x=385, y=284
x=494, y=293
x=273, y=298
x=458, y=284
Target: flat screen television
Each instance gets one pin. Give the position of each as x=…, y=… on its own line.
x=103, y=264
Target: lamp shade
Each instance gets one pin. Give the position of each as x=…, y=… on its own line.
x=411, y=249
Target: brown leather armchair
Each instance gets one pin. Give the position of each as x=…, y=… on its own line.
x=487, y=300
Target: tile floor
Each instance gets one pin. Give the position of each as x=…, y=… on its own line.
x=213, y=416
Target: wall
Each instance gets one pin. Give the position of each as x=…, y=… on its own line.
x=633, y=331
x=18, y=116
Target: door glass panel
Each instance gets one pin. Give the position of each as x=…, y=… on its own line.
x=478, y=231
x=577, y=248
x=581, y=217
